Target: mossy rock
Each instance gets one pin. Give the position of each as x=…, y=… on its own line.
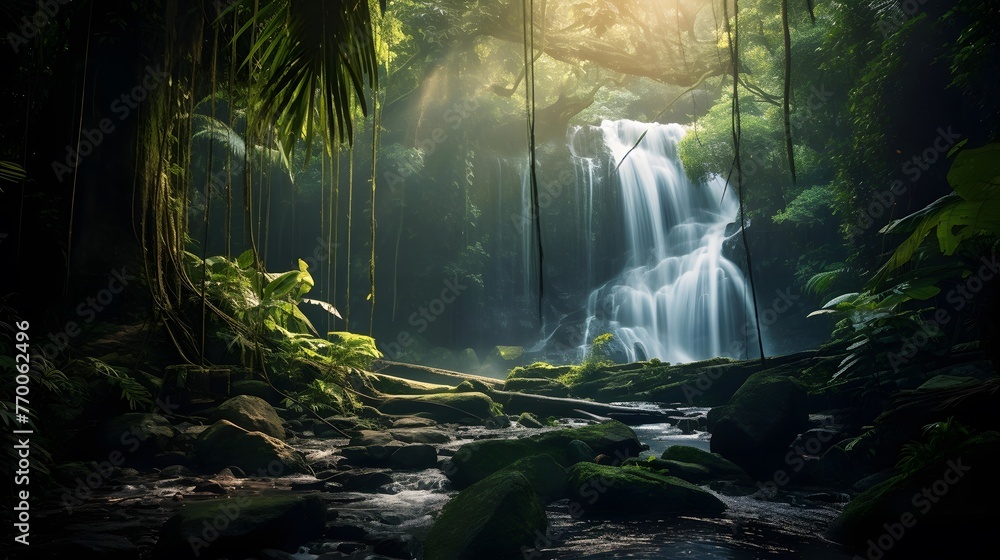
x=251, y=413
x=546, y=476
x=949, y=502
x=759, y=422
x=256, y=388
x=529, y=420
x=391, y=385
x=538, y=370
x=479, y=459
x=720, y=467
x=240, y=527
x=545, y=387
x=633, y=490
x=443, y=407
x=695, y=474
x=493, y=518
x=225, y=444
x=473, y=386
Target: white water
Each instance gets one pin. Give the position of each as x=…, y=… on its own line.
x=678, y=299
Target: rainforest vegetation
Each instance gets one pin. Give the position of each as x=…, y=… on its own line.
x=332, y=204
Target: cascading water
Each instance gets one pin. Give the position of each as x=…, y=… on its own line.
x=678, y=299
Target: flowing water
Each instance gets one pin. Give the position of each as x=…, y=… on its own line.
x=678, y=298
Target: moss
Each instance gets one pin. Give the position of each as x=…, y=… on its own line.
x=719, y=466
x=443, y=407
x=538, y=370
x=637, y=490
x=547, y=477
x=493, y=518
x=689, y=472
x=477, y=460
x=545, y=387
x=391, y=385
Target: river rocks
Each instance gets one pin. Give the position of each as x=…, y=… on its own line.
x=224, y=444
x=459, y=408
x=720, y=467
x=493, y=518
x=364, y=438
x=240, y=527
x=415, y=456
x=632, y=490
x=546, y=387
x=253, y=414
x=529, y=420
x=420, y=435
x=361, y=480
x=477, y=460
x=759, y=422
x=413, y=422
x=946, y=506
x=256, y=388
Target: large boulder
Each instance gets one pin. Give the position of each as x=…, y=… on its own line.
x=605, y=488
x=493, y=518
x=225, y=444
x=240, y=527
x=251, y=413
x=719, y=467
x=479, y=459
x=444, y=408
x=759, y=422
x=947, y=504
x=547, y=477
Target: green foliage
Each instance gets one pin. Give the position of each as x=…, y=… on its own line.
x=972, y=210
x=940, y=440
x=319, y=396
x=314, y=60
x=598, y=351
x=812, y=207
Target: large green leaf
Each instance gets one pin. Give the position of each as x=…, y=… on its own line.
x=975, y=175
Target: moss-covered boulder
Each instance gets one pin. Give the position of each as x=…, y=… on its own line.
x=547, y=477
x=547, y=387
x=225, y=444
x=493, y=518
x=538, y=370
x=633, y=490
x=240, y=527
x=943, y=507
x=479, y=459
x=529, y=420
x=251, y=413
x=720, y=467
x=759, y=422
x=444, y=407
x=695, y=474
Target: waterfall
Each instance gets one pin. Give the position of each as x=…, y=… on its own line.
x=678, y=298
